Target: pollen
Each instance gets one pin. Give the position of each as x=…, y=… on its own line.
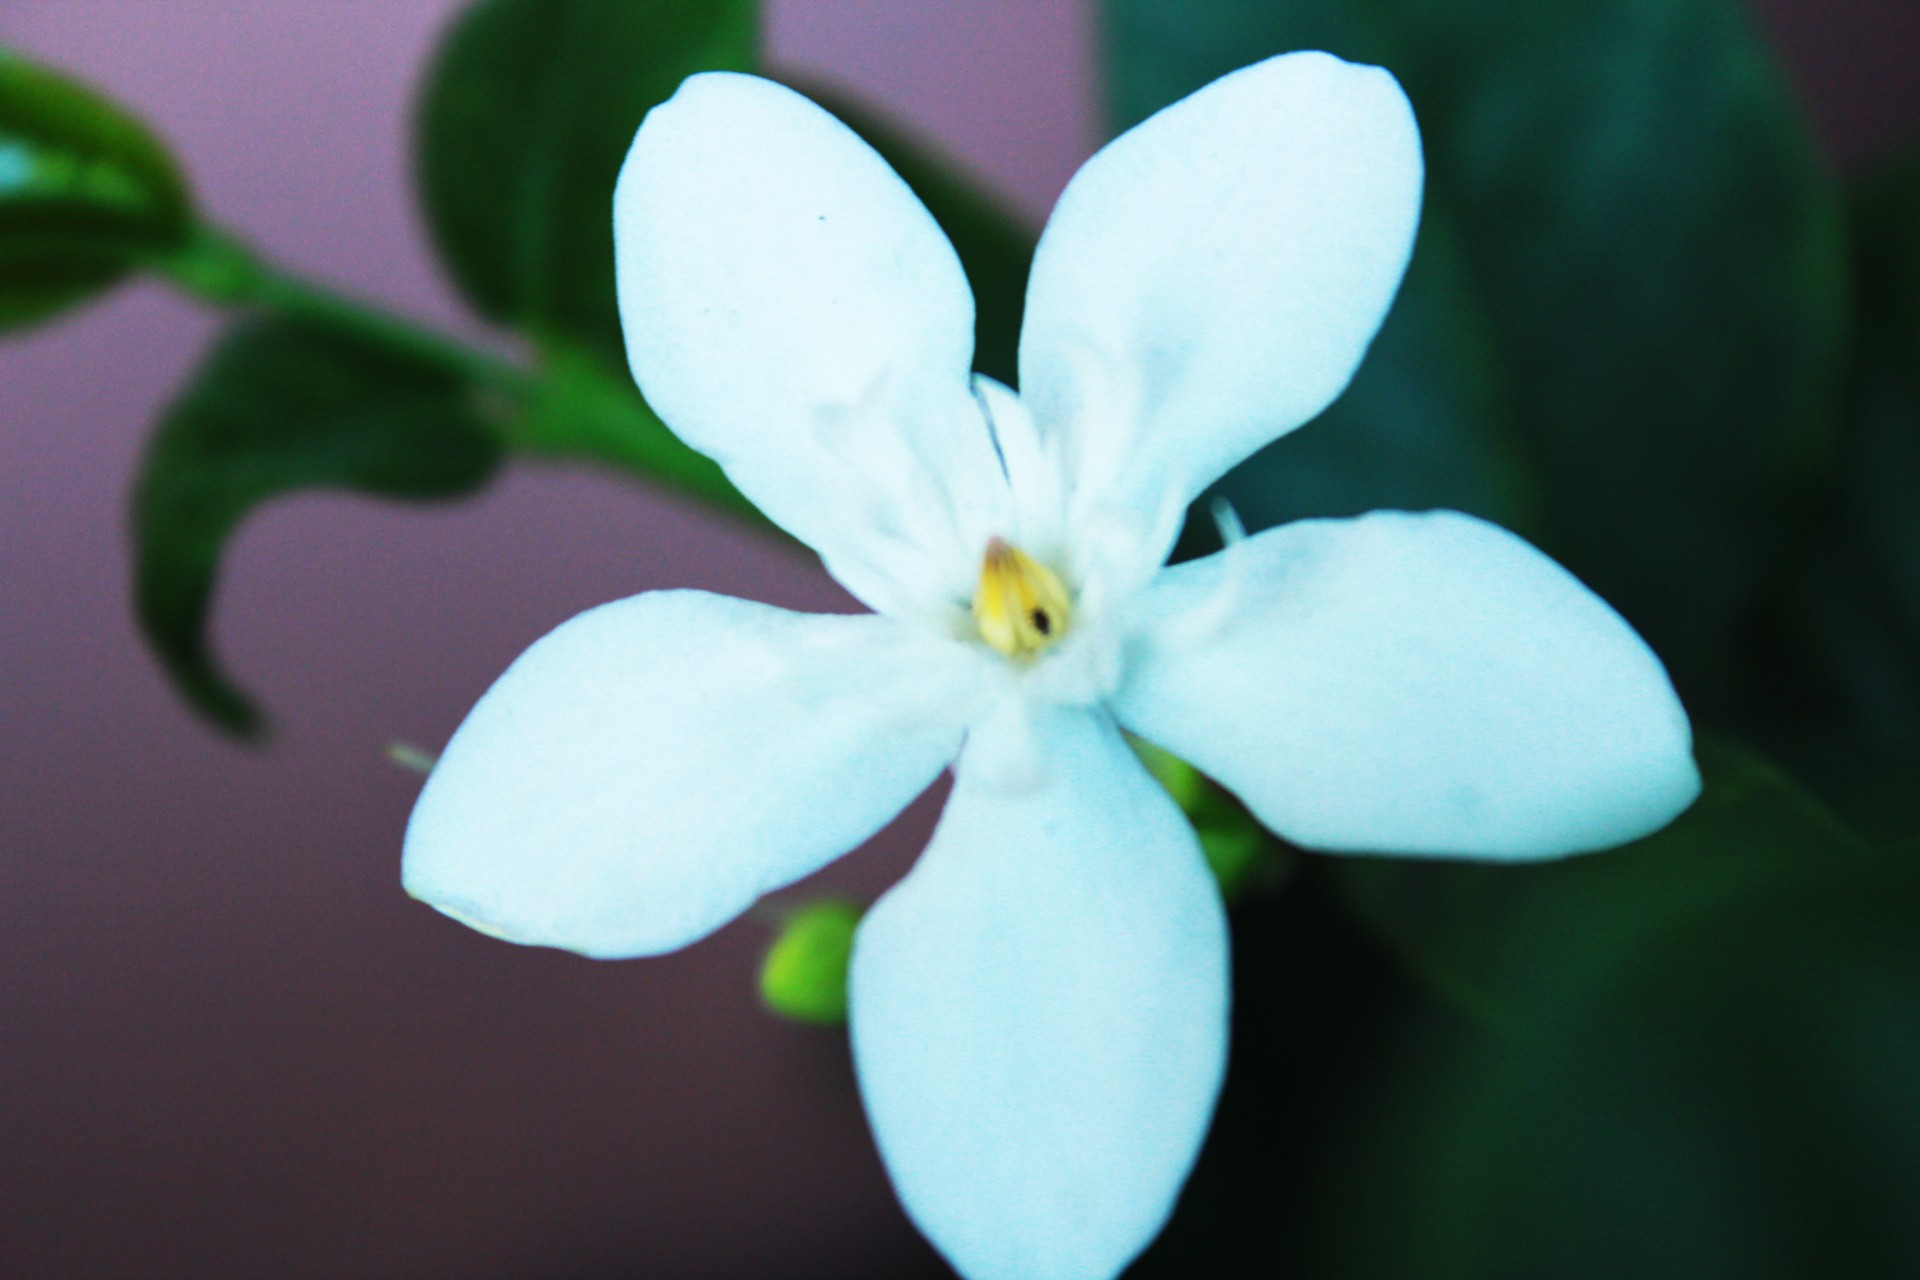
x=1021, y=606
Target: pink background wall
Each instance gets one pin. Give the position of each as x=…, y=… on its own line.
x=229, y=1046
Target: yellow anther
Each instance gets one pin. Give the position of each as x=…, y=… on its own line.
x=1020, y=606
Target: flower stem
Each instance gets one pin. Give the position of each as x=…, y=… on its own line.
x=219, y=268
x=568, y=407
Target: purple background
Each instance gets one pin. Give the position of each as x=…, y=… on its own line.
x=229, y=1046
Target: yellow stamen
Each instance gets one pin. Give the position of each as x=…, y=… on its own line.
x=1020, y=606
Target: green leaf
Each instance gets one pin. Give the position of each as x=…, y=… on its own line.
x=1691, y=1057
x=1698, y=1059
x=1885, y=221
x=1244, y=859
x=994, y=244
x=1509, y=940
x=1653, y=241
x=282, y=406
x=1243, y=856
x=1738, y=1105
x=1835, y=689
x=86, y=193
x=804, y=976
x=1882, y=473
x=526, y=116
x=1183, y=783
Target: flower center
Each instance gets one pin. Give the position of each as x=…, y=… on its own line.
x=1021, y=606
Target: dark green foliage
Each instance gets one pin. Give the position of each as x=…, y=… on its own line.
x=282, y=406
x=1691, y=1057
x=1513, y=941
x=526, y=116
x=1837, y=694
x=86, y=192
x=1882, y=497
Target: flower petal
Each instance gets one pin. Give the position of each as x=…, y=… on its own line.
x=644, y=772
x=1039, y=1011
x=1413, y=684
x=793, y=311
x=1210, y=280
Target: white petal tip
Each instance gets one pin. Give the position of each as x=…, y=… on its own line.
x=474, y=922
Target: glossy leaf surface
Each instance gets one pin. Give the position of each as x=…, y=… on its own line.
x=86, y=192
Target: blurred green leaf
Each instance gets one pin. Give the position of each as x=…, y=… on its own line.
x=1738, y=1104
x=1701, y=1065
x=1243, y=856
x=804, y=976
x=574, y=407
x=1692, y=1057
x=1835, y=686
x=527, y=113
x=1885, y=221
x=1881, y=497
x=86, y=192
x=1651, y=236
x=1182, y=782
x=994, y=245
x=1512, y=939
x=282, y=406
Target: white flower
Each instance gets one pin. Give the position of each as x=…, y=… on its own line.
x=1039, y=1010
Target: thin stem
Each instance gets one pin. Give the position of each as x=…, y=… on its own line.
x=410, y=757
x=218, y=267
x=570, y=407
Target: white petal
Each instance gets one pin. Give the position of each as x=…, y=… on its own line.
x=1414, y=684
x=1039, y=1010
x=793, y=311
x=1211, y=279
x=644, y=772
x=1032, y=469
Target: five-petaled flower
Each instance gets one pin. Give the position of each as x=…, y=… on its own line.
x=1039, y=1009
